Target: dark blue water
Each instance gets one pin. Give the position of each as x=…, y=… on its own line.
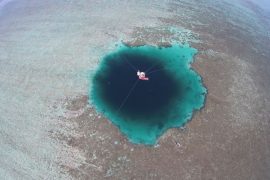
x=143, y=110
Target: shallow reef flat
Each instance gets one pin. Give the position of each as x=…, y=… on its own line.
x=50, y=49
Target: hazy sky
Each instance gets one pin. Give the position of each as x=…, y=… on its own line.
x=4, y=2
x=264, y=4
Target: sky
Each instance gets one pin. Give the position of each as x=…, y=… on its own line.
x=4, y=2
x=264, y=4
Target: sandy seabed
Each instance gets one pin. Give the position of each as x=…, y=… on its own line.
x=50, y=49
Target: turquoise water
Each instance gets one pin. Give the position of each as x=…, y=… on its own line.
x=144, y=110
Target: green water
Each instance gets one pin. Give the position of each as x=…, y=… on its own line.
x=167, y=100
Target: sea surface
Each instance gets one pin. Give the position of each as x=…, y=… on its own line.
x=50, y=49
